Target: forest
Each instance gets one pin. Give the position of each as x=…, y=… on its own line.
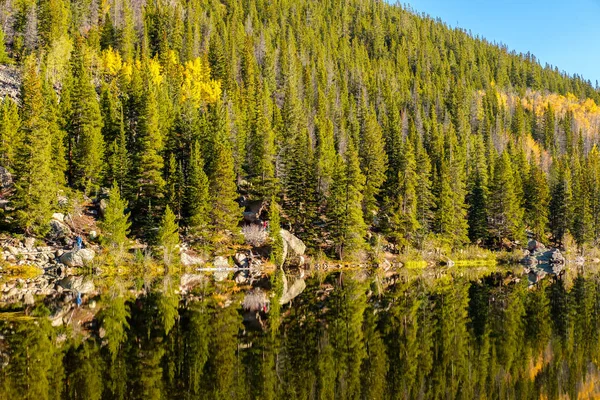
x=360, y=123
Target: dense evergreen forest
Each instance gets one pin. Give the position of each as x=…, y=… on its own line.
x=365, y=122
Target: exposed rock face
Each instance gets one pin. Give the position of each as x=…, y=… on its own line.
x=292, y=246
x=534, y=246
x=293, y=291
x=78, y=258
x=81, y=284
x=59, y=229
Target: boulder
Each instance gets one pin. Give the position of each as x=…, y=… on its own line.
x=557, y=257
x=529, y=261
x=293, y=291
x=29, y=243
x=60, y=217
x=81, y=284
x=102, y=205
x=59, y=229
x=77, y=258
x=241, y=260
x=292, y=246
x=534, y=246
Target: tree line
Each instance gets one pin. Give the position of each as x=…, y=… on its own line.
x=361, y=119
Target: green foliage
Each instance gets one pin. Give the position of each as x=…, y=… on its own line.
x=168, y=236
x=274, y=230
x=115, y=226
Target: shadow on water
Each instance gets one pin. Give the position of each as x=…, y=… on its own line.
x=439, y=333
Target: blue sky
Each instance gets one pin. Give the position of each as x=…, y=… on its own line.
x=565, y=34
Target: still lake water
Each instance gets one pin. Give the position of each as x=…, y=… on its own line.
x=347, y=336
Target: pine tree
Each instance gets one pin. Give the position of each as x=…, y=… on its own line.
x=274, y=230
x=118, y=161
x=85, y=133
x=344, y=206
x=506, y=214
x=404, y=223
x=148, y=163
x=225, y=212
x=197, y=195
x=57, y=134
x=561, y=202
x=373, y=161
x=168, y=236
x=549, y=128
x=478, y=193
x=35, y=190
x=582, y=217
x=325, y=148
x=10, y=138
x=593, y=179
x=536, y=201
x=115, y=226
x=4, y=58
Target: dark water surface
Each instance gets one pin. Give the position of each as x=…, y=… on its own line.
x=347, y=336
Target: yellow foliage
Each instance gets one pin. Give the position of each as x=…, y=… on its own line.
x=155, y=74
x=58, y=58
x=111, y=62
x=197, y=86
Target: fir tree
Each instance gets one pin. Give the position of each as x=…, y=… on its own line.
x=506, y=214
x=10, y=138
x=85, y=133
x=561, y=202
x=536, y=201
x=225, y=212
x=168, y=236
x=197, y=196
x=344, y=206
x=35, y=189
x=373, y=160
x=115, y=226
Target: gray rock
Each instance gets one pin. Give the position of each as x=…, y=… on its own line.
x=292, y=291
x=29, y=243
x=534, y=246
x=81, y=284
x=102, y=205
x=78, y=258
x=60, y=217
x=241, y=260
x=59, y=229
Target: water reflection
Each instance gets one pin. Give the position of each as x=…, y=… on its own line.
x=347, y=336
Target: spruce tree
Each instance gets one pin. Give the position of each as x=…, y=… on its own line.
x=344, y=206
x=10, y=138
x=404, y=223
x=35, y=189
x=85, y=133
x=115, y=225
x=225, y=212
x=561, y=202
x=197, y=197
x=373, y=161
x=536, y=201
x=168, y=236
x=506, y=214
x=478, y=193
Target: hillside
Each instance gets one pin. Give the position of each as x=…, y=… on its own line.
x=368, y=124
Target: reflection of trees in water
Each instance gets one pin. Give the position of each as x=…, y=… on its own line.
x=443, y=338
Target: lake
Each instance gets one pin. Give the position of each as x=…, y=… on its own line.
x=439, y=334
